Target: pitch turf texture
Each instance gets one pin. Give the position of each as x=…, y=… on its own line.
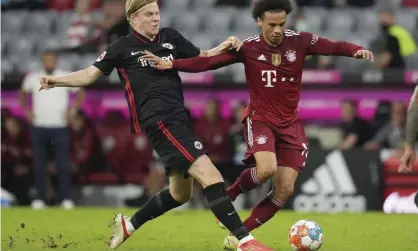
x=88, y=229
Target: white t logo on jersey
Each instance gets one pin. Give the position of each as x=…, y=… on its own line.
x=270, y=77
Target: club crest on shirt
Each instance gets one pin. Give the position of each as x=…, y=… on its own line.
x=261, y=140
x=291, y=56
x=276, y=59
x=168, y=46
x=198, y=145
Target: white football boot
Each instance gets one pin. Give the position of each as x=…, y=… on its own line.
x=231, y=243
x=67, y=204
x=122, y=230
x=38, y=205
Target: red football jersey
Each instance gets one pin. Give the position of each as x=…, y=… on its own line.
x=274, y=74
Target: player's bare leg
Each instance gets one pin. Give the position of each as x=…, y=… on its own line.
x=203, y=171
x=266, y=208
x=180, y=191
x=266, y=167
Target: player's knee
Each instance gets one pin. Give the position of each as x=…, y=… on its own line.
x=285, y=190
x=182, y=196
x=204, y=172
x=265, y=170
x=213, y=176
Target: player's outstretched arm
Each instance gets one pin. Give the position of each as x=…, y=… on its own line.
x=323, y=46
x=76, y=79
x=232, y=43
x=195, y=64
x=408, y=158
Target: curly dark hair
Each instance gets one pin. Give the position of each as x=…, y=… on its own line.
x=262, y=6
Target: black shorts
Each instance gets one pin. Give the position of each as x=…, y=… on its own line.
x=174, y=141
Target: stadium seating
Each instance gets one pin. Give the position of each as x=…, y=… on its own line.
x=26, y=34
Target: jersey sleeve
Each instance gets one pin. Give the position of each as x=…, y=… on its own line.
x=315, y=45
x=108, y=60
x=184, y=48
x=200, y=64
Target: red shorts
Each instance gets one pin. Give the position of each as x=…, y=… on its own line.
x=288, y=143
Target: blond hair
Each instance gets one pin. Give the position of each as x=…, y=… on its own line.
x=133, y=6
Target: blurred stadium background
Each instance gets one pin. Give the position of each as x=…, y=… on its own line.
x=342, y=99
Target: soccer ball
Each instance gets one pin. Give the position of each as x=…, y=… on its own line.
x=306, y=235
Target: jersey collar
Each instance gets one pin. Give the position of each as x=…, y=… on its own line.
x=145, y=39
x=269, y=45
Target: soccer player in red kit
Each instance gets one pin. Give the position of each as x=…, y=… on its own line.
x=273, y=60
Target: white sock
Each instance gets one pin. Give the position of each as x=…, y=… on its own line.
x=246, y=239
x=129, y=226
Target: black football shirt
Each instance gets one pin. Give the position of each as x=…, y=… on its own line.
x=152, y=95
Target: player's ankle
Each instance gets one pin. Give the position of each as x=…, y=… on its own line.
x=129, y=227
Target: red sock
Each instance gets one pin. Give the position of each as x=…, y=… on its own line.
x=263, y=211
x=247, y=181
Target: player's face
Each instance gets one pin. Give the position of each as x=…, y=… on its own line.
x=385, y=19
x=148, y=19
x=272, y=24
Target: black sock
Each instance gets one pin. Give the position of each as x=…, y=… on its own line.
x=155, y=207
x=224, y=210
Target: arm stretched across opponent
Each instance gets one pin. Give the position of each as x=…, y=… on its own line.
x=316, y=46
x=408, y=158
x=194, y=64
x=91, y=74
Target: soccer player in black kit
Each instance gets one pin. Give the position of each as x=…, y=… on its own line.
x=156, y=104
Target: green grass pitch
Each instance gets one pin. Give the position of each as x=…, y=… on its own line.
x=87, y=229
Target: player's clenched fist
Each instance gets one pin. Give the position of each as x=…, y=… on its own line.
x=156, y=61
x=46, y=83
x=232, y=43
x=364, y=54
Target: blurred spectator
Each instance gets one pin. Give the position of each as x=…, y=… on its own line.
x=237, y=145
x=60, y=5
x=311, y=61
x=391, y=135
x=86, y=150
x=410, y=3
x=80, y=28
x=114, y=134
x=16, y=158
x=357, y=131
x=398, y=41
x=382, y=114
x=113, y=24
x=22, y=4
x=323, y=3
x=49, y=118
x=140, y=166
x=360, y=3
x=4, y=114
x=234, y=3
x=236, y=135
x=212, y=131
